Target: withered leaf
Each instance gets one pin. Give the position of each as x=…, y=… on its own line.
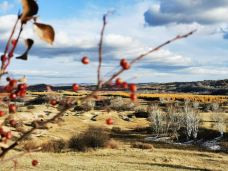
x=30, y=8
x=28, y=43
x=45, y=32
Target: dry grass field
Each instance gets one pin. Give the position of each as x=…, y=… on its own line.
x=124, y=159
x=161, y=157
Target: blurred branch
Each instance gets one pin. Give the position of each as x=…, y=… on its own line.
x=7, y=46
x=149, y=52
x=100, y=51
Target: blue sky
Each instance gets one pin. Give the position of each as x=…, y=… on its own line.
x=135, y=27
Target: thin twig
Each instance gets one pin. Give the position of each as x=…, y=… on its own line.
x=8, y=45
x=149, y=52
x=100, y=52
x=14, y=47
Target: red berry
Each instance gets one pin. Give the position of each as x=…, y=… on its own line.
x=22, y=93
x=35, y=162
x=124, y=64
x=22, y=86
x=133, y=97
x=53, y=102
x=3, y=58
x=12, y=108
x=9, y=135
x=13, y=96
x=13, y=83
x=2, y=113
x=125, y=85
x=75, y=87
x=85, y=60
x=13, y=123
x=133, y=87
x=109, y=121
x=119, y=82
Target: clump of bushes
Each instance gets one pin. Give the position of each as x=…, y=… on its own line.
x=92, y=138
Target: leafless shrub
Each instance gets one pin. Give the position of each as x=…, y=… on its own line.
x=156, y=117
x=195, y=105
x=191, y=121
x=218, y=119
x=215, y=107
x=92, y=138
x=173, y=121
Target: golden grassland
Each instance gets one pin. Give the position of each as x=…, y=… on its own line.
x=125, y=159
x=168, y=96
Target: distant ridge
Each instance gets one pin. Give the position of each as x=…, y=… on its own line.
x=207, y=87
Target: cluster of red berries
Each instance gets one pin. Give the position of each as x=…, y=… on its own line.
x=15, y=89
x=5, y=135
x=125, y=85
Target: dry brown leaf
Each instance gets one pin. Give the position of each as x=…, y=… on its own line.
x=45, y=32
x=28, y=43
x=30, y=8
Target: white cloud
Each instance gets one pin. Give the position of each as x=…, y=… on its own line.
x=188, y=11
x=125, y=37
x=208, y=71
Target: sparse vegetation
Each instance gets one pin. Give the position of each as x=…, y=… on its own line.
x=92, y=138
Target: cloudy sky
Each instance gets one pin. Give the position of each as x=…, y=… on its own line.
x=133, y=28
